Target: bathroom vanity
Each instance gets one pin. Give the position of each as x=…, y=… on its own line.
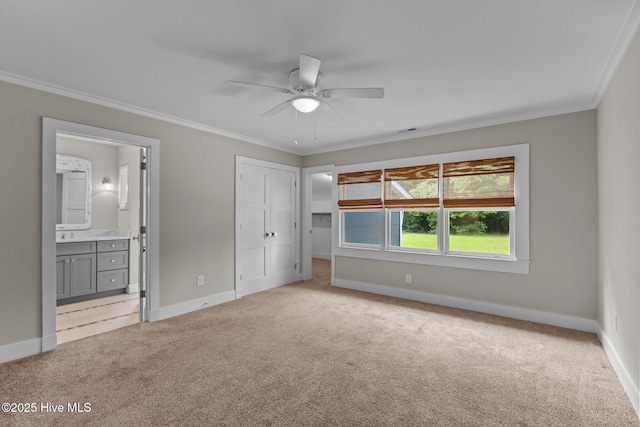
x=90, y=263
x=91, y=266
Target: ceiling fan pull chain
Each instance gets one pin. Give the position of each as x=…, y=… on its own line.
x=315, y=124
x=296, y=138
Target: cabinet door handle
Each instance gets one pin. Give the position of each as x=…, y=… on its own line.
x=113, y=260
x=73, y=260
x=113, y=280
x=67, y=261
x=113, y=245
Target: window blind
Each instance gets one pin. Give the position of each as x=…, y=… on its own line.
x=412, y=187
x=479, y=183
x=360, y=190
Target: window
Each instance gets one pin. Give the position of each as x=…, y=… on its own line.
x=413, y=229
x=360, y=200
x=412, y=193
x=480, y=185
x=456, y=209
x=480, y=232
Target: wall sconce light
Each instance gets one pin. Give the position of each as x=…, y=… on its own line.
x=107, y=183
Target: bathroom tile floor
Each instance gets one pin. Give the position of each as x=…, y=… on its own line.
x=86, y=318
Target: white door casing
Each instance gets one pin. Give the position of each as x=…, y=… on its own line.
x=143, y=223
x=50, y=129
x=307, y=236
x=266, y=224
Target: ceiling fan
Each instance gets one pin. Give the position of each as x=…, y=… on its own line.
x=307, y=96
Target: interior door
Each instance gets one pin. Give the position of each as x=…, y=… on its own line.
x=143, y=221
x=254, y=232
x=266, y=215
x=282, y=227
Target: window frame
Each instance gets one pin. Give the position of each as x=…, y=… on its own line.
x=517, y=263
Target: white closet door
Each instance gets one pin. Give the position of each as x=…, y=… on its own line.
x=265, y=232
x=253, y=238
x=283, y=209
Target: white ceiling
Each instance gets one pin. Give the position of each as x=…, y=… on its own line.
x=445, y=65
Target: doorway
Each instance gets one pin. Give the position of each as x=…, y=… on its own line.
x=318, y=217
x=137, y=168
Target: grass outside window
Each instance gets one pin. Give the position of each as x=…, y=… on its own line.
x=488, y=243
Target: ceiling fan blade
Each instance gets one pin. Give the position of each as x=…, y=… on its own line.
x=254, y=85
x=309, y=68
x=277, y=109
x=333, y=114
x=364, y=92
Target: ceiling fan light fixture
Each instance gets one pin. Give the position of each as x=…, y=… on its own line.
x=305, y=104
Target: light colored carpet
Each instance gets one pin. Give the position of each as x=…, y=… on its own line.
x=310, y=354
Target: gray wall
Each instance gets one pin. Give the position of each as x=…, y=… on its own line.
x=619, y=207
x=196, y=201
x=563, y=218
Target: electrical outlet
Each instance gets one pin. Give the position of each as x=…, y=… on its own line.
x=200, y=281
x=408, y=278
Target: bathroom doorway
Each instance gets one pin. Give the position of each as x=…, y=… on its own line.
x=121, y=229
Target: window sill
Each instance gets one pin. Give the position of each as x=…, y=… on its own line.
x=500, y=265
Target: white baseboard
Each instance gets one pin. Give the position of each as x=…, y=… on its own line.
x=20, y=349
x=133, y=288
x=321, y=255
x=570, y=322
x=623, y=375
x=49, y=343
x=191, y=305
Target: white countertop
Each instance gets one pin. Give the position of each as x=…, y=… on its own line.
x=90, y=235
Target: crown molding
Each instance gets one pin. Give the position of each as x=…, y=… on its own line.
x=457, y=126
x=86, y=97
x=626, y=36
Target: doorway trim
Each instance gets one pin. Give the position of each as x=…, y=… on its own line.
x=307, y=218
x=50, y=130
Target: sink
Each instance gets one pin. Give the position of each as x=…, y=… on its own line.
x=89, y=235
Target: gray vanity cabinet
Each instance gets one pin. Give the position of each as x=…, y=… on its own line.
x=86, y=268
x=113, y=265
x=75, y=275
x=82, y=275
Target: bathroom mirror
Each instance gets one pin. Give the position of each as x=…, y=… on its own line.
x=73, y=193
